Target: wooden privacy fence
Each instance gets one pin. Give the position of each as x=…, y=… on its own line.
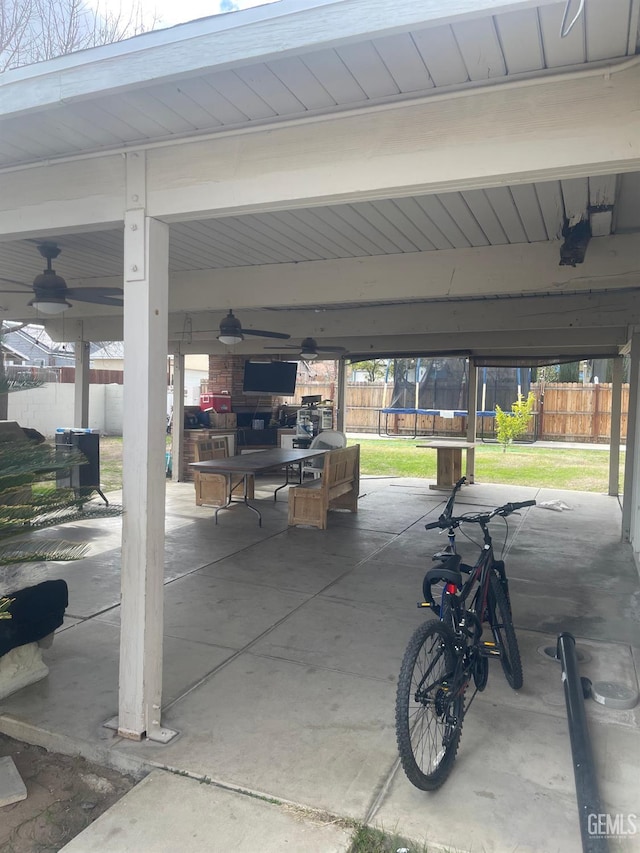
x=567, y=411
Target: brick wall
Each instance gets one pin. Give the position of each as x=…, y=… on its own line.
x=226, y=373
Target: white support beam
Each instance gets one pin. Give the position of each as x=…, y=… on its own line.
x=341, y=409
x=630, y=508
x=514, y=133
x=53, y=198
x=616, y=420
x=503, y=135
x=144, y=433
x=81, y=389
x=472, y=419
x=177, y=420
x=611, y=262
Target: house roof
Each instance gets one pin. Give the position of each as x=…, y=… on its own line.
x=290, y=61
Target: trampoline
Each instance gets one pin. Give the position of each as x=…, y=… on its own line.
x=434, y=413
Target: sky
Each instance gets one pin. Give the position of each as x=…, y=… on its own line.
x=170, y=12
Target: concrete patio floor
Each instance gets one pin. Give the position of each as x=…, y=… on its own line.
x=282, y=650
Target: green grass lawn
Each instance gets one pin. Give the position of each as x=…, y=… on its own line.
x=527, y=465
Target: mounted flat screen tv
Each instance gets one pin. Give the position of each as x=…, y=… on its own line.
x=274, y=377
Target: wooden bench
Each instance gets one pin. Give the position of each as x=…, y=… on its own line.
x=213, y=489
x=337, y=488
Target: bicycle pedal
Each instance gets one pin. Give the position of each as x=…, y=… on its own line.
x=421, y=604
x=489, y=649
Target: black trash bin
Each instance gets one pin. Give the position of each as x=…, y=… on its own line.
x=85, y=478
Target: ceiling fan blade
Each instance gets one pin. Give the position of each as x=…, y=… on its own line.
x=332, y=349
x=97, y=298
x=21, y=292
x=82, y=292
x=13, y=281
x=283, y=346
x=262, y=334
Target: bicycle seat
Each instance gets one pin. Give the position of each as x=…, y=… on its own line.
x=448, y=570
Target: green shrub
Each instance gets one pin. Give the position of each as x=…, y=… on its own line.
x=513, y=424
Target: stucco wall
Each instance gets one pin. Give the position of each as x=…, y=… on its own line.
x=51, y=406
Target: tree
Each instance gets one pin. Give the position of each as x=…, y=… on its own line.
x=513, y=424
x=36, y=30
x=374, y=368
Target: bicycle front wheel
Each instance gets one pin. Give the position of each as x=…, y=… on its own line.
x=504, y=633
x=428, y=711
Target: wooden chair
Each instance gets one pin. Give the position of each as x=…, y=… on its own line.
x=213, y=489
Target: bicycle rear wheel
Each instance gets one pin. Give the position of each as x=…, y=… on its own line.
x=428, y=712
x=504, y=633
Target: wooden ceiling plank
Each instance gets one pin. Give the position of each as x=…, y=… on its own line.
x=134, y=109
x=521, y=40
x=526, y=202
x=413, y=211
x=313, y=234
x=441, y=55
x=401, y=56
x=270, y=241
x=502, y=202
x=570, y=50
x=387, y=220
x=395, y=215
x=298, y=79
x=485, y=216
x=203, y=91
x=367, y=220
x=368, y=69
x=339, y=216
x=177, y=106
x=261, y=79
x=237, y=241
x=445, y=223
x=334, y=76
x=551, y=204
x=459, y=211
x=331, y=234
x=481, y=52
x=113, y=129
x=279, y=231
x=196, y=247
x=242, y=96
x=607, y=29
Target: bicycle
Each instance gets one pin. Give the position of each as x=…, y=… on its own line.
x=443, y=656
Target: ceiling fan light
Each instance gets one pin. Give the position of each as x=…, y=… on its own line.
x=308, y=355
x=50, y=305
x=230, y=339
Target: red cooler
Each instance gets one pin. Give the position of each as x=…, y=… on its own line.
x=216, y=402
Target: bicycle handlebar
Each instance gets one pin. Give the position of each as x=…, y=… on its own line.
x=445, y=522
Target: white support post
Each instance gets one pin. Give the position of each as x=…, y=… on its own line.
x=341, y=415
x=616, y=419
x=81, y=388
x=472, y=420
x=146, y=287
x=629, y=499
x=177, y=422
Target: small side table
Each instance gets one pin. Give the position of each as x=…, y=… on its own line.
x=449, y=461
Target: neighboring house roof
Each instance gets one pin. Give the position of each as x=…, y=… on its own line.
x=34, y=347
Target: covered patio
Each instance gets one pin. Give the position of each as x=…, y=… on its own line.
x=282, y=648
x=425, y=178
